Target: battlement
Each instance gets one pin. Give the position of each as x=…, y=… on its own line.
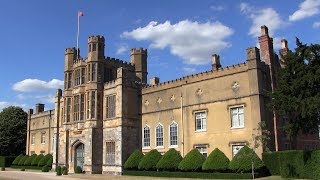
x=200, y=76
x=97, y=38
x=134, y=51
x=70, y=50
x=119, y=62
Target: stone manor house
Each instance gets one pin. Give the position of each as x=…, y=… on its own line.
x=107, y=109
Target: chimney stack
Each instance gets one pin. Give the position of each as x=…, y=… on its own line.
x=266, y=46
x=154, y=81
x=215, y=62
x=39, y=108
x=283, y=51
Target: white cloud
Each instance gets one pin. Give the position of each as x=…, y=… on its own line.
x=260, y=17
x=217, y=8
x=316, y=25
x=36, y=85
x=245, y=8
x=306, y=9
x=122, y=48
x=194, y=42
x=4, y=104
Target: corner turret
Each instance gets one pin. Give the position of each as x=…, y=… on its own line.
x=96, y=46
x=70, y=56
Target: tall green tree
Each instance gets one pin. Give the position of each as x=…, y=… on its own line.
x=297, y=95
x=13, y=131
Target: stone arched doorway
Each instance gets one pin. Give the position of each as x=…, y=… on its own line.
x=79, y=155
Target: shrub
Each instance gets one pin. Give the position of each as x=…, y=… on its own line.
x=150, y=160
x=3, y=168
x=292, y=164
x=6, y=161
x=58, y=170
x=242, y=161
x=45, y=169
x=17, y=159
x=190, y=175
x=50, y=161
x=133, y=160
x=217, y=161
x=36, y=160
x=29, y=160
x=192, y=161
x=169, y=161
x=78, y=170
x=64, y=170
x=44, y=160
x=312, y=166
x=22, y=160
x=23, y=169
x=272, y=161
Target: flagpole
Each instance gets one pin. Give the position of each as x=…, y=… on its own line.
x=78, y=35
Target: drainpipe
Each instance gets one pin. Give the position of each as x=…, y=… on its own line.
x=50, y=118
x=182, y=149
x=59, y=93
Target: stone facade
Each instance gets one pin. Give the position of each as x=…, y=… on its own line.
x=39, y=131
x=107, y=109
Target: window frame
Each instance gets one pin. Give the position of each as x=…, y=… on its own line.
x=177, y=134
x=111, y=155
x=156, y=144
x=43, y=138
x=231, y=116
x=143, y=136
x=234, y=145
x=204, y=128
x=111, y=108
x=33, y=139
x=204, y=146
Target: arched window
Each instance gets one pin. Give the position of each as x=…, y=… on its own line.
x=159, y=135
x=146, y=136
x=173, y=134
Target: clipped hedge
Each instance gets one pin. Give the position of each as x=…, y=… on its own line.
x=272, y=162
x=36, y=160
x=26, y=167
x=198, y=175
x=45, y=168
x=312, y=166
x=292, y=164
x=133, y=160
x=6, y=161
x=58, y=171
x=150, y=160
x=192, y=161
x=17, y=159
x=29, y=160
x=64, y=170
x=50, y=161
x=44, y=160
x=22, y=160
x=169, y=161
x=78, y=170
x=242, y=161
x=217, y=161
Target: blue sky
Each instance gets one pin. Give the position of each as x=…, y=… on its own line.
x=180, y=36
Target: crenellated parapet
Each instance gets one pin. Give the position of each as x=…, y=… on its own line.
x=228, y=70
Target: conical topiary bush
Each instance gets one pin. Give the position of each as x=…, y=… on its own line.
x=150, y=160
x=192, y=161
x=133, y=161
x=217, y=161
x=242, y=161
x=169, y=161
